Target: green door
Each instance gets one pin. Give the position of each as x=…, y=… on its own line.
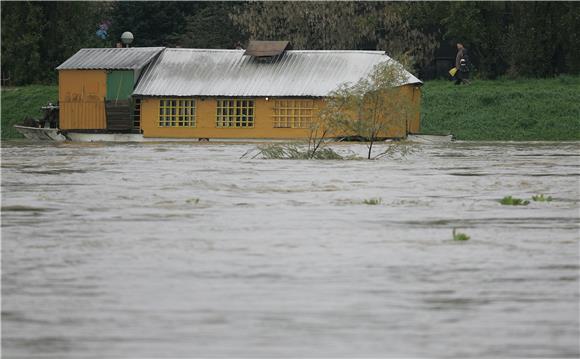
x=119, y=85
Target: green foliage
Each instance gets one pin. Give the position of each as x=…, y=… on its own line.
x=208, y=27
x=504, y=110
x=337, y=25
x=541, y=198
x=458, y=236
x=508, y=37
x=307, y=25
x=38, y=36
x=482, y=29
x=21, y=102
x=22, y=28
x=373, y=201
x=151, y=22
x=539, y=37
x=518, y=39
x=511, y=201
x=569, y=50
x=197, y=24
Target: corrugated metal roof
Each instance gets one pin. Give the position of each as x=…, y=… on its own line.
x=132, y=58
x=205, y=72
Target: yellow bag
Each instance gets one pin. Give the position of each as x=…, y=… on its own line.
x=452, y=72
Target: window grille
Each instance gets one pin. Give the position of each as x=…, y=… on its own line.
x=177, y=112
x=235, y=113
x=294, y=113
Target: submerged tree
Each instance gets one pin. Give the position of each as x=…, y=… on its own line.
x=369, y=109
x=374, y=105
x=320, y=131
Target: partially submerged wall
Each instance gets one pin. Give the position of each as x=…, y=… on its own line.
x=264, y=123
x=206, y=118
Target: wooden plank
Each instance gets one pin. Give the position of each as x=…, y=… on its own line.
x=119, y=115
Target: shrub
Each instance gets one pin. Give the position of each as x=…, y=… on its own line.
x=541, y=198
x=511, y=201
x=373, y=201
x=458, y=236
x=290, y=151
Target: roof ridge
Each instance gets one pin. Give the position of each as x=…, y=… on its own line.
x=226, y=50
x=123, y=48
x=365, y=51
x=199, y=50
x=238, y=50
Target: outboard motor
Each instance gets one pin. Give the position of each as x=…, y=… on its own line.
x=50, y=116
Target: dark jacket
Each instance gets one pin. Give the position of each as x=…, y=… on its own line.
x=462, y=55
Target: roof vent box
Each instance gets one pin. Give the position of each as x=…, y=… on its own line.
x=266, y=49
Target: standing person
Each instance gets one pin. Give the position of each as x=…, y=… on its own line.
x=462, y=65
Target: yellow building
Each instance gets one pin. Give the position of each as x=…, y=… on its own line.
x=95, y=88
x=264, y=92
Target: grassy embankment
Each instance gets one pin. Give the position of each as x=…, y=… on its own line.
x=506, y=110
x=517, y=110
x=21, y=102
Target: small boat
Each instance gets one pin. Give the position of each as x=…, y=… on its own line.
x=419, y=138
x=40, y=133
x=104, y=137
x=45, y=129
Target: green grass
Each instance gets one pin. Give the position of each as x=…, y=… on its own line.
x=20, y=102
x=512, y=201
x=504, y=110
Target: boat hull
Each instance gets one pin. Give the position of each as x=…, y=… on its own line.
x=40, y=134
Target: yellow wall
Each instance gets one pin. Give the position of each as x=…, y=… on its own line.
x=263, y=121
x=81, y=96
x=205, y=116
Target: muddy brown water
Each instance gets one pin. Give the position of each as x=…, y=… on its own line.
x=170, y=250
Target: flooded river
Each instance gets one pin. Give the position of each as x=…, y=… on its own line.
x=172, y=250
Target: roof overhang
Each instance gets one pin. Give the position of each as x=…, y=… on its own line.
x=134, y=58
